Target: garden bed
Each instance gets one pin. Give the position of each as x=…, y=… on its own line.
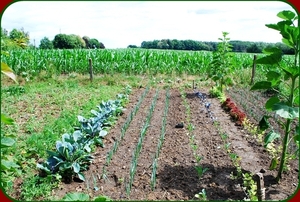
x=176, y=176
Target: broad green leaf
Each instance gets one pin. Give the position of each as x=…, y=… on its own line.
x=297, y=138
x=264, y=123
x=271, y=50
x=7, y=142
x=286, y=15
x=273, y=26
x=103, y=133
x=270, y=103
x=273, y=76
x=270, y=59
x=6, y=165
x=288, y=43
x=284, y=25
x=98, y=141
x=76, y=197
x=40, y=166
x=81, y=176
x=77, y=135
x=102, y=198
x=274, y=164
x=5, y=69
x=6, y=120
x=296, y=100
x=286, y=111
x=270, y=137
x=292, y=71
x=66, y=137
x=76, y=167
x=261, y=85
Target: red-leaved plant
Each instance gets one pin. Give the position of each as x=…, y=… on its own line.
x=237, y=115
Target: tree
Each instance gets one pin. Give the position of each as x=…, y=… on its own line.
x=87, y=41
x=94, y=43
x=254, y=49
x=63, y=41
x=102, y=45
x=132, y=46
x=77, y=41
x=45, y=43
x=19, y=37
x=221, y=64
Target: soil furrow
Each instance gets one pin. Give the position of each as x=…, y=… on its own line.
x=175, y=172
x=94, y=174
x=176, y=176
x=118, y=170
x=141, y=185
x=217, y=178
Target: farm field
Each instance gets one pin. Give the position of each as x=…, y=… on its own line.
x=169, y=162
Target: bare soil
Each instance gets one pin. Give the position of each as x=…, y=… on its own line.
x=176, y=176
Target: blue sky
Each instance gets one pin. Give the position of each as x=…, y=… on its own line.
x=118, y=24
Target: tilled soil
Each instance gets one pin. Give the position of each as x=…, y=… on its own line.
x=176, y=176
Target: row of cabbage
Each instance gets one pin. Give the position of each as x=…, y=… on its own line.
x=129, y=61
x=73, y=152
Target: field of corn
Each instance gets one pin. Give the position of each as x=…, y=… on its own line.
x=169, y=143
x=110, y=61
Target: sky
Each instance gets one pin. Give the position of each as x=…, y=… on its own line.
x=118, y=24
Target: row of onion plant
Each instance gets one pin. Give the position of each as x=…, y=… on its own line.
x=138, y=147
x=160, y=140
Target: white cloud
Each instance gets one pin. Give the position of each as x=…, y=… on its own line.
x=118, y=24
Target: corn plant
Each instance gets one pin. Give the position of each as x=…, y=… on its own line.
x=29, y=63
x=286, y=105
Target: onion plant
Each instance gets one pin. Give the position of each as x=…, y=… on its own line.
x=123, y=130
x=138, y=147
x=160, y=140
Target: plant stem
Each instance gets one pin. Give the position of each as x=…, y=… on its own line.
x=284, y=149
x=286, y=135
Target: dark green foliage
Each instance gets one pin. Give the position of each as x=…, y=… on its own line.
x=237, y=46
x=46, y=44
x=64, y=41
x=221, y=65
x=72, y=155
x=284, y=105
x=132, y=46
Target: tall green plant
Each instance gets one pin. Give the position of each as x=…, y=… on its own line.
x=286, y=105
x=221, y=64
x=7, y=164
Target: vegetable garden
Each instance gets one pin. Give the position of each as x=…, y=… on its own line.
x=152, y=125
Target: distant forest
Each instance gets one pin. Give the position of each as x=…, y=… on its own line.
x=237, y=46
x=19, y=39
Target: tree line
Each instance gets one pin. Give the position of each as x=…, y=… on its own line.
x=237, y=46
x=19, y=39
